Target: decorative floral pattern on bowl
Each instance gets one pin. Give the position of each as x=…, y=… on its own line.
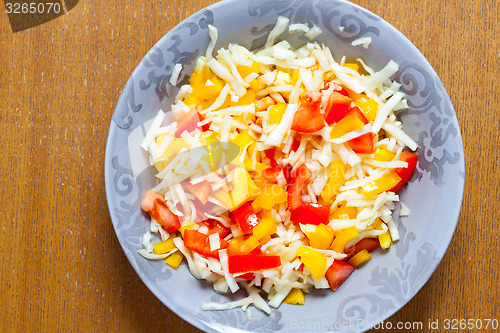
x=391, y=279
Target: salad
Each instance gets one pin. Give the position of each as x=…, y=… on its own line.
x=280, y=170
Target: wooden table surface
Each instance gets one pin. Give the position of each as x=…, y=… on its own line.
x=62, y=269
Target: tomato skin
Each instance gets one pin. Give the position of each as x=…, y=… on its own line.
x=337, y=273
x=308, y=118
x=245, y=217
x=406, y=173
x=311, y=213
x=300, y=177
x=252, y=262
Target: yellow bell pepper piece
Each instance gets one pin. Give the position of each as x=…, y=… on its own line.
x=344, y=212
x=269, y=196
x=209, y=89
x=384, y=155
x=247, y=99
x=337, y=172
x=343, y=236
x=346, y=125
x=239, y=245
x=320, y=236
x=385, y=240
x=294, y=297
x=382, y=184
x=242, y=139
x=164, y=247
x=368, y=106
x=315, y=261
x=192, y=99
x=276, y=112
x=241, y=189
x=353, y=66
x=247, y=70
x=295, y=76
x=175, y=259
x=266, y=227
x=360, y=258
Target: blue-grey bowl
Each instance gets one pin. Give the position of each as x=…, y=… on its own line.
x=391, y=278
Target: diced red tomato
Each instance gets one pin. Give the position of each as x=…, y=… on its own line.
x=308, y=118
x=311, y=213
x=406, y=173
x=337, y=273
x=301, y=176
x=369, y=244
x=156, y=206
x=252, y=262
x=199, y=243
x=337, y=107
x=199, y=190
x=358, y=113
x=189, y=123
x=362, y=144
x=245, y=217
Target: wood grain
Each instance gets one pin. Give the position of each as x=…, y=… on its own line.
x=62, y=269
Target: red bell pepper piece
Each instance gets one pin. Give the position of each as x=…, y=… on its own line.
x=189, y=123
x=304, y=212
x=252, y=262
x=301, y=176
x=199, y=243
x=337, y=273
x=270, y=174
x=308, y=118
x=217, y=227
x=270, y=155
x=295, y=144
x=245, y=217
x=246, y=276
x=311, y=213
x=337, y=107
x=406, y=173
x=156, y=206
